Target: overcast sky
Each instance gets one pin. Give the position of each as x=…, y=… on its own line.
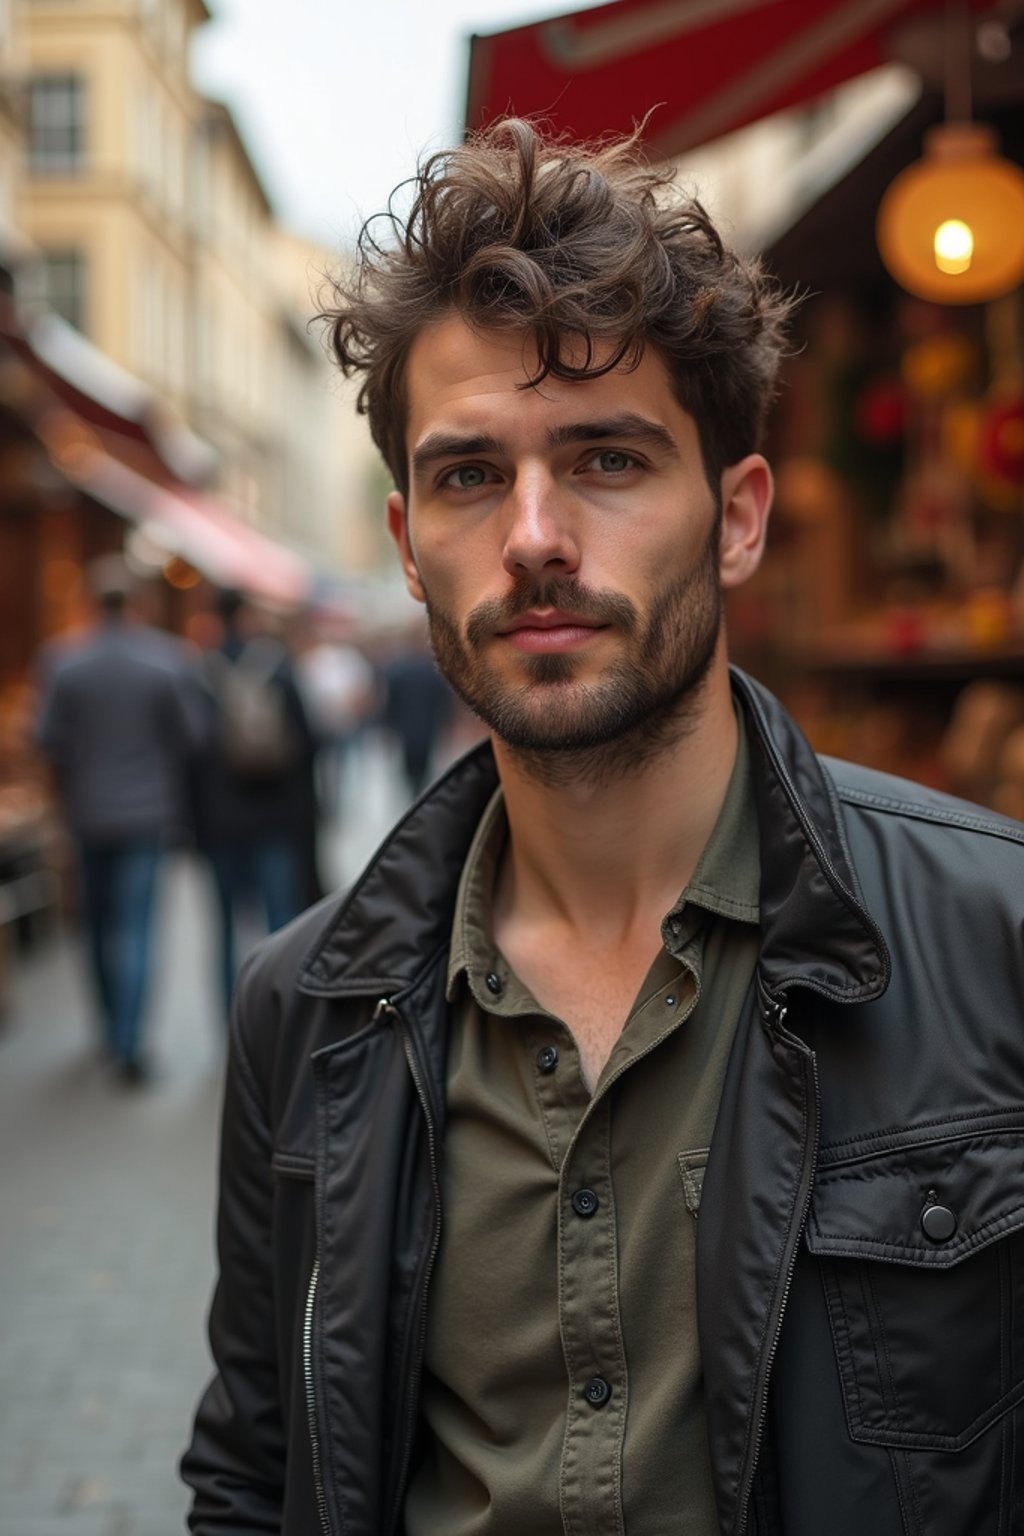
x=336, y=99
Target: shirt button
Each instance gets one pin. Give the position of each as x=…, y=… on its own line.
x=585, y=1202
x=547, y=1058
x=597, y=1391
x=670, y=1001
x=492, y=981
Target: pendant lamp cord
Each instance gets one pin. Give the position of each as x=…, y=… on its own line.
x=958, y=62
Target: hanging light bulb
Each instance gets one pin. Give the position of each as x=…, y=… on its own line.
x=950, y=227
x=954, y=246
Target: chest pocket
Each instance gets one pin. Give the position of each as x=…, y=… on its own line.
x=921, y=1252
x=692, y=1166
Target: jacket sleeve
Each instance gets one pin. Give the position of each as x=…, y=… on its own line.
x=235, y=1462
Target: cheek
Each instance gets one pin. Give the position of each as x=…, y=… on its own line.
x=442, y=576
x=450, y=564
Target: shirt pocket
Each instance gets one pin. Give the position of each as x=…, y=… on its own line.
x=921, y=1255
x=691, y=1170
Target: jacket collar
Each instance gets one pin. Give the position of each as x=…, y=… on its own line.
x=816, y=931
x=399, y=913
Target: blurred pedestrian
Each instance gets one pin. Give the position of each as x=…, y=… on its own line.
x=254, y=794
x=418, y=706
x=338, y=687
x=120, y=717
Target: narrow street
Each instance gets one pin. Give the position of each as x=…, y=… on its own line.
x=106, y=1217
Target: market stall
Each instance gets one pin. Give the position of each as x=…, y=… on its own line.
x=892, y=598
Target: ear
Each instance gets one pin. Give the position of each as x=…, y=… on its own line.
x=398, y=527
x=747, y=489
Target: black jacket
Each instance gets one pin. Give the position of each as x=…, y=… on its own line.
x=861, y=1243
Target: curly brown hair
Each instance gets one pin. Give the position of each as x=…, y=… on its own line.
x=515, y=230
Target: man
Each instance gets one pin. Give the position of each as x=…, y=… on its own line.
x=643, y=956
x=120, y=718
x=255, y=804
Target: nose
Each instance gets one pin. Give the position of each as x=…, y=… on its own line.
x=541, y=537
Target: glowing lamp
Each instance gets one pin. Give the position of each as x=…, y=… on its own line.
x=953, y=246
x=951, y=226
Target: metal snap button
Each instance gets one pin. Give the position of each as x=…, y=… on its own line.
x=938, y=1223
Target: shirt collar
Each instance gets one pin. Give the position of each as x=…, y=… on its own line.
x=472, y=946
x=726, y=881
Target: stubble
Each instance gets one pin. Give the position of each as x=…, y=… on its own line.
x=562, y=730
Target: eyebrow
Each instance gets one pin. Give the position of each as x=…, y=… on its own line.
x=451, y=445
x=629, y=427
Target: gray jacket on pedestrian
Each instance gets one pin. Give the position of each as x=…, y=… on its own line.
x=121, y=716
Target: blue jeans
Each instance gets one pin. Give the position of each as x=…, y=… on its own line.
x=117, y=896
x=267, y=874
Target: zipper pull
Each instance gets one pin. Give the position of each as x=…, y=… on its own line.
x=384, y=1006
x=773, y=1009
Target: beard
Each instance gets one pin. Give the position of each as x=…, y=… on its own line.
x=563, y=729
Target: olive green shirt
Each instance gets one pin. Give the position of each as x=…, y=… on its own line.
x=562, y=1387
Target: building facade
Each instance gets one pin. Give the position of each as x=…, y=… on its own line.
x=154, y=238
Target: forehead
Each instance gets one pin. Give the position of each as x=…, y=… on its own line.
x=457, y=376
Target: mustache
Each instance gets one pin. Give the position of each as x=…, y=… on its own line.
x=567, y=594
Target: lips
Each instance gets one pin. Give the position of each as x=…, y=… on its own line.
x=549, y=631
x=552, y=618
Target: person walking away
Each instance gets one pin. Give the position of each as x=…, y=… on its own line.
x=255, y=802
x=120, y=718
x=418, y=706
x=338, y=689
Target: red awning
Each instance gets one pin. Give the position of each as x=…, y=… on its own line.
x=98, y=441
x=708, y=66
x=198, y=527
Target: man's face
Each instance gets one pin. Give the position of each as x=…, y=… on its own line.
x=564, y=539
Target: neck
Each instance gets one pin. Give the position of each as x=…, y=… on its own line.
x=609, y=852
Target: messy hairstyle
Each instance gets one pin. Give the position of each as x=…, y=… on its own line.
x=586, y=248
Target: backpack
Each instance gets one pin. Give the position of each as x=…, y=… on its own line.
x=255, y=733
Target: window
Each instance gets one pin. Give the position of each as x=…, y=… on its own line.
x=56, y=122
x=64, y=276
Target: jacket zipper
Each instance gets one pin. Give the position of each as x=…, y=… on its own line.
x=409, y=1428
x=774, y=1012
x=307, y=1367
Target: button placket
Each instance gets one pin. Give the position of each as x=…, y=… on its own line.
x=591, y=1328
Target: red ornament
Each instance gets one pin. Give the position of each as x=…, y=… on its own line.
x=1001, y=442
x=880, y=412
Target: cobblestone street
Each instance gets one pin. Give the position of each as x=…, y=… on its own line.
x=106, y=1220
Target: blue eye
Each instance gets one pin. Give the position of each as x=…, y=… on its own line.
x=613, y=461
x=466, y=477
